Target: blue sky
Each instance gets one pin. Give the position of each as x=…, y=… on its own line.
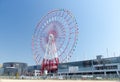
x=98, y=21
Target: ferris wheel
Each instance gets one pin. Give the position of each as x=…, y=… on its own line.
x=54, y=39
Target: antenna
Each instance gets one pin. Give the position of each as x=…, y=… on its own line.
x=107, y=52
x=114, y=54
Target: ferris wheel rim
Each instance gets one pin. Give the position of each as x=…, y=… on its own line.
x=37, y=27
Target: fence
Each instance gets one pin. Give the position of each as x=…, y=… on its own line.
x=67, y=77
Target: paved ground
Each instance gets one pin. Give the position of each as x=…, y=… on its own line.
x=3, y=80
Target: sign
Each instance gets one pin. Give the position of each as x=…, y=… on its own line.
x=73, y=69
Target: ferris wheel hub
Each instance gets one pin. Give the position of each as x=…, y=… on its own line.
x=51, y=36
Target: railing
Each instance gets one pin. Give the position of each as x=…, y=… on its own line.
x=69, y=77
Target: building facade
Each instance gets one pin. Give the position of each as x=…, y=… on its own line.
x=34, y=70
x=104, y=67
x=14, y=68
x=99, y=67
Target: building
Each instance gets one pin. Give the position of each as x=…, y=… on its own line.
x=1, y=70
x=102, y=67
x=34, y=70
x=99, y=67
x=14, y=68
